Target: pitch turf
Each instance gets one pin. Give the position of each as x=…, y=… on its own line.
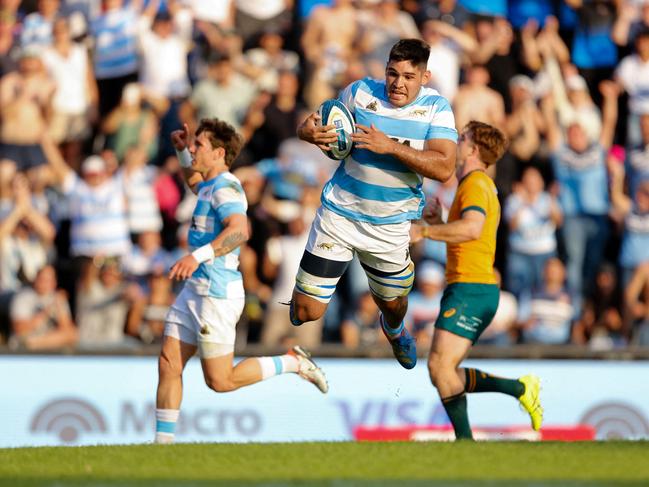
x=332, y=465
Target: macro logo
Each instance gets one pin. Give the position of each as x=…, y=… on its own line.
x=616, y=420
x=68, y=418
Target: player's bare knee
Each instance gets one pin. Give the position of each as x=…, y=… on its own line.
x=220, y=384
x=304, y=310
x=438, y=368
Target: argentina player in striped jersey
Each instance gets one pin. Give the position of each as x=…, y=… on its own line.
x=404, y=132
x=205, y=313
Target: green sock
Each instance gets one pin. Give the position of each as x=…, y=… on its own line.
x=478, y=381
x=455, y=407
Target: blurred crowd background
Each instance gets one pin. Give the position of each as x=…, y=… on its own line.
x=93, y=209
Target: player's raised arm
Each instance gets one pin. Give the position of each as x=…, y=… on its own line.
x=180, y=141
x=311, y=131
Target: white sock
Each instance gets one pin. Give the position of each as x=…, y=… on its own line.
x=165, y=425
x=279, y=364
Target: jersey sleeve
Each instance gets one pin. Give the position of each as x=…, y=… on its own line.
x=229, y=199
x=473, y=197
x=442, y=123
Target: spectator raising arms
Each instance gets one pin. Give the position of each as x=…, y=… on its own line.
x=580, y=170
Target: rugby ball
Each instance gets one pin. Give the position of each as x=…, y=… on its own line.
x=333, y=112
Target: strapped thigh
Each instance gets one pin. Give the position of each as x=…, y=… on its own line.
x=318, y=277
x=388, y=286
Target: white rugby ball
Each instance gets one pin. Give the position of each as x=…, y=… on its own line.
x=333, y=112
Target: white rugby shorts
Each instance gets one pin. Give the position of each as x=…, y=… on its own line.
x=383, y=251
x=204, y=321
x=382, y=247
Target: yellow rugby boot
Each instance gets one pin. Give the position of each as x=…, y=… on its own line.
x=531, y=400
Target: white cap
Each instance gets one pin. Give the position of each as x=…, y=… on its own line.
x=430, y=272
x=93, y=164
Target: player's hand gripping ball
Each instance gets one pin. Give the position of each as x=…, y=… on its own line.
x=333, y=112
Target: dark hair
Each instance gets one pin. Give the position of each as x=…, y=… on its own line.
x=222, y=134
x=490, y=141
x=414, y=50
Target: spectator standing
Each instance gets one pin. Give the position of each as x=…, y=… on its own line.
x=114, y=33
x=25, y=106
x=99, y=225
x=525, y=123
x=74, y=106
x=163, y=48
x=533, y=216
x=224, y=94
x=37, y=26
x=633, y=75
x=580, y=170
x=593, y=51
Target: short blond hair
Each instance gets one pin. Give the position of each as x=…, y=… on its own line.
x=490, y=141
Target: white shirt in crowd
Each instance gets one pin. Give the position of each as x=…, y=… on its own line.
x=163, y=66
x=633, y=73
x=70, y=76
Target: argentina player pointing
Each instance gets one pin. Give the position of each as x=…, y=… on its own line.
x=206, y=311
x=405, y=132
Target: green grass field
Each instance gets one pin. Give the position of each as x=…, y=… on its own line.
x=332, y=464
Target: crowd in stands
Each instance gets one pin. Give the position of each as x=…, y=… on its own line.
x=93, y=208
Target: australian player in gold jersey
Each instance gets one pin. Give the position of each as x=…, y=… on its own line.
x=471, y=296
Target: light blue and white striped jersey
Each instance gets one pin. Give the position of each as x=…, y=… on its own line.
x=635, y=240
x=218, y=198
x=377, y=188
x=98, y=215
x=583, y=180
x=37, y=31
x=115, y=34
